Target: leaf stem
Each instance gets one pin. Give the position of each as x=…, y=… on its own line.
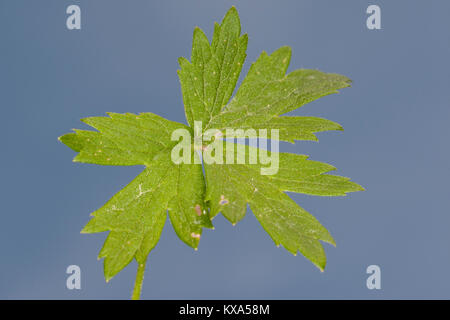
x=138, y=283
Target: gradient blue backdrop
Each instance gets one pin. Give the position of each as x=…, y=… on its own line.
x=124, y=59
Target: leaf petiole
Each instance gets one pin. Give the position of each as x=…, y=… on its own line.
x=138, y=282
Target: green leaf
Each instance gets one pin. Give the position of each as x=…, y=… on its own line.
x=290, y=128
x=231, y=186
x=122, y=139
x=208, y=81
x=193, y=193
x=267, y=92
x=135, y=216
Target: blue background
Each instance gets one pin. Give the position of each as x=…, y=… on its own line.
x=124, y=59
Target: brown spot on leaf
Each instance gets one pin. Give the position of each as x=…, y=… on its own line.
x=195, y=235
x=223, y=201
x=198, y=210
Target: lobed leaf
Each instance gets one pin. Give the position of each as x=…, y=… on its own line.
x=122, y=139
x=136, y=215
x=208, y=81
x=231, y=186
x=267, y=92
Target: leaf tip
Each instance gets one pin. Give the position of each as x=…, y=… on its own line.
x=231, y=18
x=85, y=120
x=321, y=265
x=356, y=187
x=329, y=239
x=182, y=61
x=232, y=10
x=198, y=32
